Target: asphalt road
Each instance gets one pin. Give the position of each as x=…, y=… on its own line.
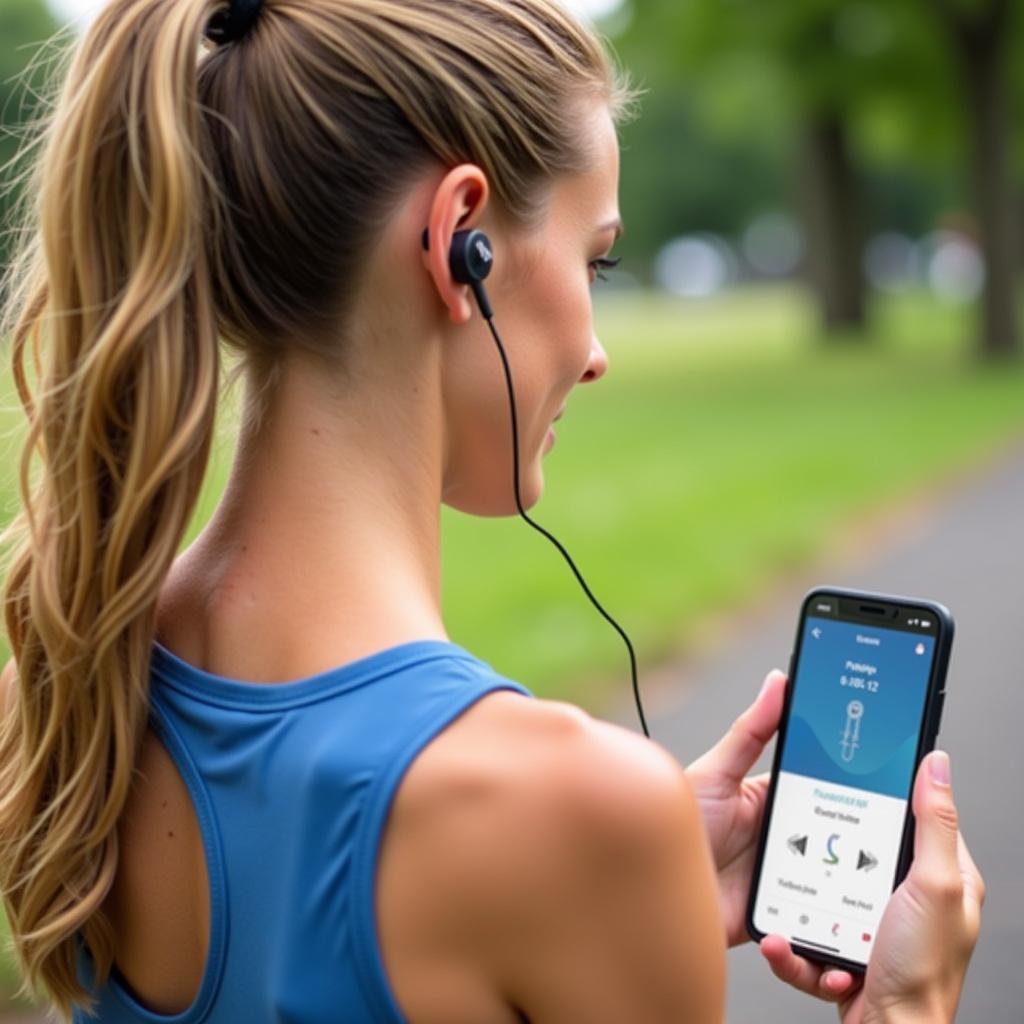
x=961, y=544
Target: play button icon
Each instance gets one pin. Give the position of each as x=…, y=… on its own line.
x=866, y=861
x=798, y=844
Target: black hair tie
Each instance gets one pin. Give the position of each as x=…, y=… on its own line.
x=233, y=21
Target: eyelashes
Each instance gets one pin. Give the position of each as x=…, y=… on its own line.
x=605, y=264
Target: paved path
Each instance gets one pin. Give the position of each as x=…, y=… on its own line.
x=963, y=545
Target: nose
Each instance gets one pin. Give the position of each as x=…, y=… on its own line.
x=597, y=364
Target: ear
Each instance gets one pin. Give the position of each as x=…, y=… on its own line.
x=458, y=203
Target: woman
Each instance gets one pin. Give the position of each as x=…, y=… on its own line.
x=256, y=781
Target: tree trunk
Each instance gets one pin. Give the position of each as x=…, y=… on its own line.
x=833, y=224
x=982, y=52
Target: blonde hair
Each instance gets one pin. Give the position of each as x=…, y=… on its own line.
x=187, y=193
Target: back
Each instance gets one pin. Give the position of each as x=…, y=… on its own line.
x=292, y=784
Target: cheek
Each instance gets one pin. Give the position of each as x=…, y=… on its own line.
x=564, y=319
x=477, y=419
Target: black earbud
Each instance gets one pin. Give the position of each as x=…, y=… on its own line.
x=471, y=258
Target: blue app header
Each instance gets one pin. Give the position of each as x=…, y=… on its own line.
x=858, y=700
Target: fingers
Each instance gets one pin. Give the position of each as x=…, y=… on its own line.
x=825, y=983
x=737, y=751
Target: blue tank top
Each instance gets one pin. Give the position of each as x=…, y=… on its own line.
x=292, y=784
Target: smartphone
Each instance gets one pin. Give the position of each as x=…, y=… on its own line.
x=862, y=708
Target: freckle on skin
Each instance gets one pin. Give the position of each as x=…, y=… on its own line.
x=164, y=804
x=170, y=835
x=317, y=432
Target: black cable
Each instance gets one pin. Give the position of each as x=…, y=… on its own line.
x=540, y=529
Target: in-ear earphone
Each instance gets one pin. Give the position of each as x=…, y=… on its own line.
x=471, y=259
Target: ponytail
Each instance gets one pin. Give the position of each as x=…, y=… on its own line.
x=114, y=297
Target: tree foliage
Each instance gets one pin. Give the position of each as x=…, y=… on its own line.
x=24, y=26
x=896, y=84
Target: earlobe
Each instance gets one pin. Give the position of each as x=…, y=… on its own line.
x=458, y=296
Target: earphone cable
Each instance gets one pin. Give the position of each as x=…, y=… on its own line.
x=540, y=529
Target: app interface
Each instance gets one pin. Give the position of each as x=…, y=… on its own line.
x=844, y=783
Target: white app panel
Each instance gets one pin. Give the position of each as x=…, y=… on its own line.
x=829, y=864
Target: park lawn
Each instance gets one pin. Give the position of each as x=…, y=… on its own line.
x=726, y=445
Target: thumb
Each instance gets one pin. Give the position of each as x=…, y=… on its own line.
x=737, y=751
x=937, y=821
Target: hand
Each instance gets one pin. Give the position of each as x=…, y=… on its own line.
x=731, y=805
x=927, y=933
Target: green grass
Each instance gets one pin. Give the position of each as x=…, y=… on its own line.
x=726, y=445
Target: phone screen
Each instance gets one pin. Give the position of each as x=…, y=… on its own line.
x=845, y=775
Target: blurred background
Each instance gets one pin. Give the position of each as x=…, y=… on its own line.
x=816, y=321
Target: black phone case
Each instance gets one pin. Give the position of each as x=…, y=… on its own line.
x=931, y=719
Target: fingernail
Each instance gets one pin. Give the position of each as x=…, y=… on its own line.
x=767, y=680
x=940, y=767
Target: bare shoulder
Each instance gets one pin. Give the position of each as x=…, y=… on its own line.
x=534, y=830
x=542, y=764
x=577, y=785
x=511, y=725
x=586, y=772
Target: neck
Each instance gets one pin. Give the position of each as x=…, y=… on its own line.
x=330, y=523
